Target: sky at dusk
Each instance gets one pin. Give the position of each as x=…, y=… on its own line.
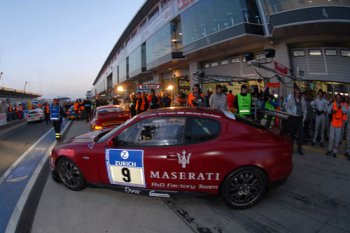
x=58, y=47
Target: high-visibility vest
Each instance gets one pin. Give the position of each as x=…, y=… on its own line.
x=54, y=112
x=47, y=109
x=270, y=107
x=337, y=117
x=244, y=104
x=143, y=104
x=76, y=106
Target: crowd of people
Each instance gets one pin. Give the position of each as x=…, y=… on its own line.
x=324, y=118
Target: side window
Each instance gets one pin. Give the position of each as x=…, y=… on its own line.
x=158, y=131
x=201, y=130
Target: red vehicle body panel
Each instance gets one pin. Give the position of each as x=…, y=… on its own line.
x=108, y=116
x=237, y=145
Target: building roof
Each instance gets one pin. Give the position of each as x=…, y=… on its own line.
x=14, y=93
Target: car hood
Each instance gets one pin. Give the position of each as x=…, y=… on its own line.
x=87, y=137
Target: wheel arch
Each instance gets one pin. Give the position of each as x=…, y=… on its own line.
x=240, y=167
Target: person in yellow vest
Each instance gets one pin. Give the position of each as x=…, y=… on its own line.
x=271, y=105
x=243, y=102
x=337, y=112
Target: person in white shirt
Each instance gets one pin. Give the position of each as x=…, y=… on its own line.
x=320, y=106
x=295, y=104
x=218, y=100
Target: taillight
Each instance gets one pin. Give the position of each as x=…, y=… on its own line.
x=98, y=127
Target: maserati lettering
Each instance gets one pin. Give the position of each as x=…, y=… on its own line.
x=184, y=175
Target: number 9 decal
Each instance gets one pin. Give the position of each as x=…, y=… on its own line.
x=126, y=174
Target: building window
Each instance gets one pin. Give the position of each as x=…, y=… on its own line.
x=212, y=16
x=224, y=62
x=345, y=53
x=214, y=64
x=331, y=52
x=235, y=60
x=158, y=46
x=315, y=52
x=298, y=53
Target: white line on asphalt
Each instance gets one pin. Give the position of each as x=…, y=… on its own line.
x=17, y=212
x=10, y=169
x=14, y=180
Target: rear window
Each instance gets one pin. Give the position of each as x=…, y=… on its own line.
x=110, y=110
x=201, y=130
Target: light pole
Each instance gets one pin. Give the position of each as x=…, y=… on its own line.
x=1, y=73
x=25, y=85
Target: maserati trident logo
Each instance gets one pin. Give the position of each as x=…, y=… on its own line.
x=184, y=158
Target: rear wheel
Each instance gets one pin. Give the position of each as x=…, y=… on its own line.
x=70, y=174
x=244, y=187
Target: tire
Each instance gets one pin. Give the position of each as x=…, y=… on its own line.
x=244, y=187
x=70, y=174
x=55, y=177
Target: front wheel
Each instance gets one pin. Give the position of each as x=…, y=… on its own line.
x=244, y=187
x=70, y=174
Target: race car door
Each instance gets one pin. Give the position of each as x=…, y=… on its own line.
x=143, y=155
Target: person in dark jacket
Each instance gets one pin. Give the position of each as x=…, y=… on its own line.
x=154, y=103
x=166, y=100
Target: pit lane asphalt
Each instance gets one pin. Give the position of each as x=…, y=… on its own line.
x=315, y=198
x=23, y=150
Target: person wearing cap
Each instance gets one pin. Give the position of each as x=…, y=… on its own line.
x=56, y=115
x=243, y=102
x=218, y=100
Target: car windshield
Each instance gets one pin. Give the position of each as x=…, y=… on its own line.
x=32, y=112
x=106, y=136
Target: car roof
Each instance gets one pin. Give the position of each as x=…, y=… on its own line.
x=197, y=111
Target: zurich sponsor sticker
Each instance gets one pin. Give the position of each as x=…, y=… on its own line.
x=125, y=167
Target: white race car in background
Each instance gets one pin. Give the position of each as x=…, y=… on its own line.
x=35, y=115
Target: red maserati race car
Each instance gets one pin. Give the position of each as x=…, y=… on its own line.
x=108, y=116
x=178, y=151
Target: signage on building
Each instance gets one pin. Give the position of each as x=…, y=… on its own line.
x=274, y=84
x=148, y=85
x=280, y=69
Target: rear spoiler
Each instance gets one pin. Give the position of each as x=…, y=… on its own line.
x=290, y=122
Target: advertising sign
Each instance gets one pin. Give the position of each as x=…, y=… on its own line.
x=280, y=69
